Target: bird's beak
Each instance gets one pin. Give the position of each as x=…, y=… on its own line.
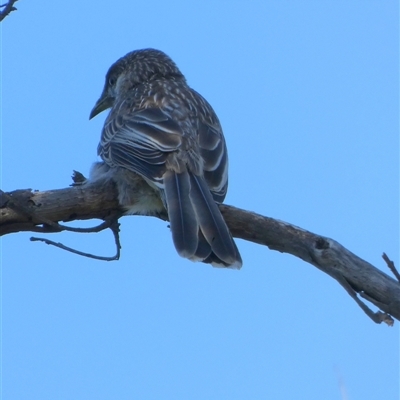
x=104, y=102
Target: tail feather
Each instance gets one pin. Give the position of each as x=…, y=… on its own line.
x=198, y=229
x=183, y=221
x=213, y=225
x=203, y=248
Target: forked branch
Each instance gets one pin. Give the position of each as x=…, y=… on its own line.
x=25, y=210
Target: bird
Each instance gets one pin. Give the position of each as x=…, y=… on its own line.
x=162, y=131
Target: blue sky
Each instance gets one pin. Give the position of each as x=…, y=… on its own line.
x=307, y=94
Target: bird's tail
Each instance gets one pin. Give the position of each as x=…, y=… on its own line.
x=198, y=229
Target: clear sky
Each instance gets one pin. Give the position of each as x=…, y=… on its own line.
x=307, y=94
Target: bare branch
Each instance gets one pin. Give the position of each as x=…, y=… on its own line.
x=391, y=266
x=7, y=8
x=24, y=210
x=112, y=224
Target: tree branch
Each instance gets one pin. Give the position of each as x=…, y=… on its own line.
x=25, y=210
x=7, y=8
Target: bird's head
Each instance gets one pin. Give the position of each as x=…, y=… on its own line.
x=135, y=68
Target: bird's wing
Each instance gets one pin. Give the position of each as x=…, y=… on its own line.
x=215, y=156
x=212, y=147
x=140, y=142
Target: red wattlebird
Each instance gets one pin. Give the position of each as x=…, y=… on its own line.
x=164, y=131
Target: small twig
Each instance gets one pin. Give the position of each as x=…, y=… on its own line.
x=112, y=224
x=8, y=7
x=115, y=230
x=386, y=318
x=391, y=266
x=94, y=229
x=378, y=317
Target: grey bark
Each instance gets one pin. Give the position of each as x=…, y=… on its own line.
x=26, y=210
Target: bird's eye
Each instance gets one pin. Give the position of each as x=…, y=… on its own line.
x=111, y=81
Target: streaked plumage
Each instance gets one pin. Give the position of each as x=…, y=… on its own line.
x=163, y=130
